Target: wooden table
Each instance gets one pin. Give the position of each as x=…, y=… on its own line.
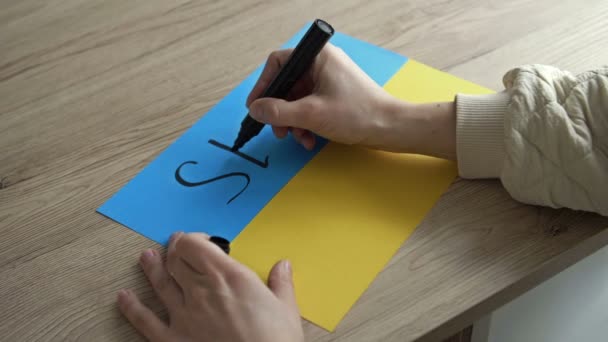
x=92, y=91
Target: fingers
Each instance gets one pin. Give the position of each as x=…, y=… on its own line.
x=141, y=317
x=304, y=113
x=271, y=69
x=186, y=276
x=179, y=269
x=163, y=284
x=280, y=132
x=192, y=255
x=281, y=284
x=304, y=137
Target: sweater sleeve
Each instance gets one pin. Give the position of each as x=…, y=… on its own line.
x=545, y=136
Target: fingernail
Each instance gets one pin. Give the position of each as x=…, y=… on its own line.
x=148, y=254
x=122, y=295
x=287, y=266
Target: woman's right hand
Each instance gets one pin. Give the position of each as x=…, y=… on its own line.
x=334, y=99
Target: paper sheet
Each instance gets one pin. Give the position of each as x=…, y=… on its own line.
x=338, y=213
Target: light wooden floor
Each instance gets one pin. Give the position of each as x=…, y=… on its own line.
x=92, y=91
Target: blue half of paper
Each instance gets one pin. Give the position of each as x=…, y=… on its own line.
x=155, y=204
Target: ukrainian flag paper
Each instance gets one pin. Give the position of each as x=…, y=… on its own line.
x=337, y=213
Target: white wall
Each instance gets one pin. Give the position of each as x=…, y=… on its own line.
x=570, y=307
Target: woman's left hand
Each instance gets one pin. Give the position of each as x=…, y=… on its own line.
x=212, y=297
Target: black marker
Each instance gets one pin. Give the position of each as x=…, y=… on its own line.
x=299, y=61
x=221, y=243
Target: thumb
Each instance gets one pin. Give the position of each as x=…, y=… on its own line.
x=302, y=113
x=280, y=283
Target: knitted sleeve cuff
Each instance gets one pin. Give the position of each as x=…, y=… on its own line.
x=480, y=134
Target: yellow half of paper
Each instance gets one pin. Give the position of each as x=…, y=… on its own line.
x=347, y=212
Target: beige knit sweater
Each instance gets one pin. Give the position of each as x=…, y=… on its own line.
x=545, y=136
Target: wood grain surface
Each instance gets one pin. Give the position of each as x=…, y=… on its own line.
x=92, y=91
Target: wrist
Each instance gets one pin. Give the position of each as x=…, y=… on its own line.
x=388, y=121
x=396, y=128
x=428, y=128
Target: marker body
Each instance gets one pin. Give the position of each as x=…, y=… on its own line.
x=298, y=63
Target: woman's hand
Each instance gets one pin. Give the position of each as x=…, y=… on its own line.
x=334, y=99
x=212, y=297
x=337, y=100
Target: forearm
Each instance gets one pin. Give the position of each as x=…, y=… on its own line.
x=428, y=128
x=469, y=130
